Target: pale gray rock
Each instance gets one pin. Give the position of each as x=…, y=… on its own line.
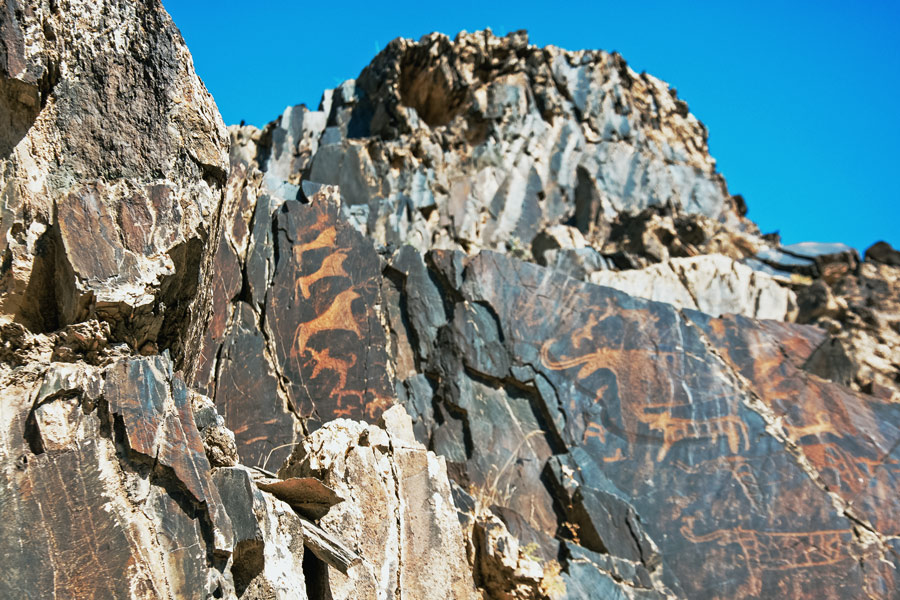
x=484, y=142
x=269, y=540
x=398, y=513
x=712, y=283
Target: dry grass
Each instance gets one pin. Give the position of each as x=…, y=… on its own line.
x=552, y=584
x=493, y=493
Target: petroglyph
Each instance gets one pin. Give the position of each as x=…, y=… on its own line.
x=594, y=430
x=616, y=457
x=321, y=315
x=676, y=429
x=820, y=426
x=853, y=471
x=337, y=316
x=639, y=370
x=777, y=551
x=332, y=266
x=323, y=360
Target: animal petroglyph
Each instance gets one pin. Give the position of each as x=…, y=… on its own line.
x=594, y=430
x=642, y=374
x=323, y=360
x=337, y=316
x=676, y=429
x=635, y=362
x=777, y=551
x=853, y=471
x=332, y=266
x=820, y=426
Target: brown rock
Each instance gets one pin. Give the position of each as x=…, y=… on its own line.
x=125, y=145
x=306, y=495
x=884, y=253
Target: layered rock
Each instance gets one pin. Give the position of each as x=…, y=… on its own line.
x=398, y=513
x=106, y=486
x=564, y=439
x=482, y=142
x=111, y=136
x=564, y=408
x=713, y=284
x=653, y=437
x=117, y=479
x=295, y=338
x=860, y=309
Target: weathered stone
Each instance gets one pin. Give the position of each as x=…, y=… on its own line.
x=713, y=284
x=247, y=394
x=321, y=314
x=502, y=568
x=55, y=516
x=731, y=481
x=849, y=439
x=481, y=141
x=306, y=495
x=883, y=252
x=328, y=548
x=268, y=554
x=600, y=444
x=860, y=308
x=398, y=513
x=218, y=440
x=127, y=145
x=98, y=521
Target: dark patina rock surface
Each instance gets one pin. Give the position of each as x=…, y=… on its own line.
x=680, y=443
x=127, y=260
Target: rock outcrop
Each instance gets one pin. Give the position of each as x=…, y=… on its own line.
x=655, y=436
x=564, y=409
x=483, y=141
x=859, y=306
x=712, y=283
x=112, y=136
x=397, y=513
x=366, y=355
x=118, y=479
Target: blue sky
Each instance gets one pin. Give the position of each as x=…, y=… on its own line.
x=802, y=99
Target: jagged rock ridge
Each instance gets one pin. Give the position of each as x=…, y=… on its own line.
x=484, y=141
x=569, y=406
x=369, y=254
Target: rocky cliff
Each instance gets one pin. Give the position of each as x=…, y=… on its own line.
x=487, y=323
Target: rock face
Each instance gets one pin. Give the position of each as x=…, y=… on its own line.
x=398, y=513
x=656, y=437
x=118, y=479
x=482, y=142
x=294, y=339
x=564, y=409
x=111, y=132
x=367, y=354
x=860, y=308
x=106, y=486
x=713, y=284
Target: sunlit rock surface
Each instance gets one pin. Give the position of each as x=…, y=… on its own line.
x=366, y=354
